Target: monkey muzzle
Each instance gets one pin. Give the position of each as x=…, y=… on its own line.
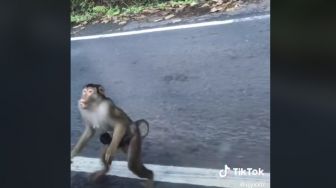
x=83, y=103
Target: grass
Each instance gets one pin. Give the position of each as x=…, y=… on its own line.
x=88, y=13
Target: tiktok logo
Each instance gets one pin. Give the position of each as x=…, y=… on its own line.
x=223, y=173
x=241, y=172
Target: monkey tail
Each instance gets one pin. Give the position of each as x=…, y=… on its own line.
x=143, y=127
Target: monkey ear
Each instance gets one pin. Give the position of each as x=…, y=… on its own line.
x=101, y=90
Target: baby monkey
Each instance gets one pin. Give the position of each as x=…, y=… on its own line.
x=100, y=114
x=143, y=125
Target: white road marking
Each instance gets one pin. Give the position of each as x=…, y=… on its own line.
x=175, y=174
x=203, y=24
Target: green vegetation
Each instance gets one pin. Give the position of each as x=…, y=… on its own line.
x=132, y=10
x=113, y=11
x=85, y=11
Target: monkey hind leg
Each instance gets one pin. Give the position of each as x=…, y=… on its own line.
x=134, y=161
x=143, y=172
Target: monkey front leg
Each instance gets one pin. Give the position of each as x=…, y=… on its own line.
x=83, y=140
x=99, y=175
x=118, y=133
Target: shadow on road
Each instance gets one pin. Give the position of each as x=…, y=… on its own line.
x=81, y=180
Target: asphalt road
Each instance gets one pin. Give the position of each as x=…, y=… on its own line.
x=205, y=92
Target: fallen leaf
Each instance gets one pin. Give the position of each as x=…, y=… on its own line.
x=169, y=9
x=140, y=17
x=157, y=20
x=77, y=26
x=124, y=19
x=234, y=7
x=214, y=9
x=219, y=2
x=230, y=9
x=205, y=5
x=169, y=16
x=150, y=11
x=122, y=23
x=105, y=21
x=163, y=13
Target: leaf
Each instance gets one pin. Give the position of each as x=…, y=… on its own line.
x=219, y=2
x=140, y=17
x=214, y=9
x=77, y=26
x=169, y=16
x=105, y=21
x=157, y=20
x=150, y=11
x=163, y=13
x=205, y=5
x=122, y=22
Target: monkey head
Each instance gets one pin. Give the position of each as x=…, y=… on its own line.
x=91, y=93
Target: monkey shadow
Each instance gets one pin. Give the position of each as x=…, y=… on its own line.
x=82, y=180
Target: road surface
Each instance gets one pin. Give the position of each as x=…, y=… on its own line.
x=205, y=92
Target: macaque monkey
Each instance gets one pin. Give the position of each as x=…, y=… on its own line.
x=100, y=114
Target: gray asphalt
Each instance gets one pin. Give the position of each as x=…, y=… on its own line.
x=205, y=92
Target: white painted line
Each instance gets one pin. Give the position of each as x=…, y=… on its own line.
x=175, y=174
x=203, y=24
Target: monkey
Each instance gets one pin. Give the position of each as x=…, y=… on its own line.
x=100, y=114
